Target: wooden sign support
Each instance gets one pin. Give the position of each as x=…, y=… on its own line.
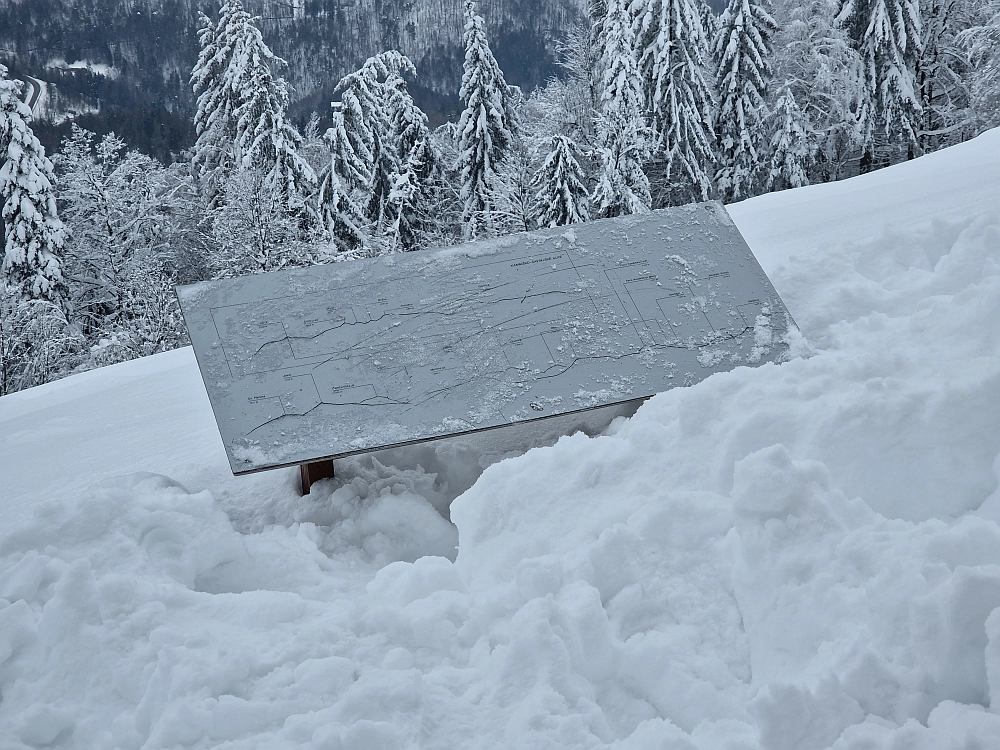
x=310, y=473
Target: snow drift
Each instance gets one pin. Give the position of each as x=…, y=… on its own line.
x=793, y=557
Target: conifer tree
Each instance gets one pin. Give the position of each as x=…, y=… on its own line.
x=214, y=120
x=33, y=233
x=675, y=62
x=378, y=134
x=486, y=130
x=791, y=144
x=622, y=187
x=241, y=109
x=415, y=160
x=743, y=49
x=341, y=183
x=562, y=194
x=886, y=33
x=942, y=74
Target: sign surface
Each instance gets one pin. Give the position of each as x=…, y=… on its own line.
x=313, y=363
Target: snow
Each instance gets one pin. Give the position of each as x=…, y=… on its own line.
x=98, y=69
x=788, y=557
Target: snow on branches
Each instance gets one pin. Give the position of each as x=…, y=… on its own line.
x=675, y=63
x=33, y=234
x=380, y=159
x=487, y=128
x=622, y=187
x=743, y=50
x=562, y=193
x=241, y=120
x=887, y=35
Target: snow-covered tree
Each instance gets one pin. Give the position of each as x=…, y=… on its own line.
x=378, y=144
x=241, y=121
x=215, y=119
x=814, y=59
x=253, y=230
x=792, y=149
x=981, y=42
x=340, y=213
x=402, y=207
x=578, y=98
x=887, y=35
x=942, y=76
x=32, y=232
x=562, y=193
x=743, y=50
x=486, y=130
x=126, y=212
x=622, y=187
x=37, y=342
x=675, y=63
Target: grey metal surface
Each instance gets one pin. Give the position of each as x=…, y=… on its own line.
x=328, y=361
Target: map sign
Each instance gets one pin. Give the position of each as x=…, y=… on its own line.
x=307, y=364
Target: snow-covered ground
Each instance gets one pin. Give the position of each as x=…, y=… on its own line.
x=792, y=557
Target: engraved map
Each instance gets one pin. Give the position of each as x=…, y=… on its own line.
x=344, y=358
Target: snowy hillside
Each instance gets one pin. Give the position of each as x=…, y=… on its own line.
x=792, y=557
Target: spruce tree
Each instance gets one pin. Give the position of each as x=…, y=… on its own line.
x=622, y=187
x=263, y=139
x=743, y=50
x=942, y=75
x=33, y=233
x=562, y=194
x=342, y=184
x=981, y=43
x=486, y=130
x=378, y=135
x=214, y=120
x=791, y=144
x=886, y=33
x=241, y=110
x=675, y=63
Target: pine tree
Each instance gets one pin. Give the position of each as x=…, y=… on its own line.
x=33, y=234
x=562, y=195
x=486, y=131
x=622, y=187
x=941, y=74
x=791, y=144
x=214, y=120
x=415, y=162
x=339, y=208
x=378, y=135
x=674, y=61
x=241, y=110
x=743, y=49
x=886, y=33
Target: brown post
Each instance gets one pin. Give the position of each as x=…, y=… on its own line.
x=310, y=473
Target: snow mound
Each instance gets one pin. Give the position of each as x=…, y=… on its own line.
x=793, y=557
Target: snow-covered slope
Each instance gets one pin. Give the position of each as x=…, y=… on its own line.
x=792, y=557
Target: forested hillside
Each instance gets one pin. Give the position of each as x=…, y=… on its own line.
x=150, y=45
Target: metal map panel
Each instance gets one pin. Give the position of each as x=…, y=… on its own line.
x=312, y=363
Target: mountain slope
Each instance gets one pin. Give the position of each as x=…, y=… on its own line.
x=134, y=59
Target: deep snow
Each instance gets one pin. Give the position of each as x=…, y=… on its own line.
x=791, y=557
